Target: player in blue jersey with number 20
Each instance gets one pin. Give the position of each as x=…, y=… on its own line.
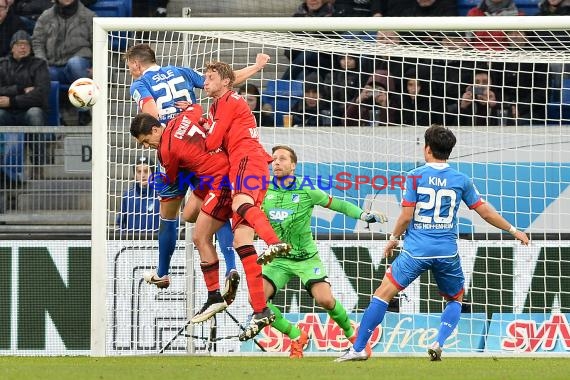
x=163, y=92
x=430, y=202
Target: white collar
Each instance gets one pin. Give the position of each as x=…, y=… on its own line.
x=438, y=165
x=152, y=68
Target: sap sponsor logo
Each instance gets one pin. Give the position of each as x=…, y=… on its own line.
x=279, y=215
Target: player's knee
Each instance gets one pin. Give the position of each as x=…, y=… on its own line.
x=326, y=302
x=188, y=217
x=201, y=240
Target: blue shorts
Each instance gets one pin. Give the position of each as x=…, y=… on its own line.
x=173, y=190
x=446, y=271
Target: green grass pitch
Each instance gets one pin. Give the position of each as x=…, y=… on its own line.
x=279, y=368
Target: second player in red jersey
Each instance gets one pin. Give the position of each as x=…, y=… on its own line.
x=232, y=127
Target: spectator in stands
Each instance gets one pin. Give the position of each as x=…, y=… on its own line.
x=373, y=106
x=312, y=111
x=479, y=104
x=160, y=10
x=394, y=65
x=496, y=40
x=305, y=64
x=523, y=87
x=145, y=8
x=30, y=10
x=24, y=100
x=449, y=77
x=417, y=109
x=10, y=23
x=140, y=205
x=418, y=8
x=357, y=8
x=554, y=8
x=263, y=114
x=72, y=22
x=344, y=83
x=555, y=39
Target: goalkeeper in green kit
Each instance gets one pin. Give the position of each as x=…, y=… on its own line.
x=289, y=206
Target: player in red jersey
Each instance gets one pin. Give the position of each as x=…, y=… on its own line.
x=182, y=153
x=232, y=126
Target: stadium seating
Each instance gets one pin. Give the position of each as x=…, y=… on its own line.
x=113, y=8
x=282, y=95
x=529, y=7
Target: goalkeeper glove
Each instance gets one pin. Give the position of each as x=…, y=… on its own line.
x=373, y=217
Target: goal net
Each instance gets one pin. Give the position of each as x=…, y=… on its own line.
x=353, y=97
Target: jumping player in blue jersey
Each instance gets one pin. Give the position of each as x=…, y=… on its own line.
x=429, y=220
x=164, y=92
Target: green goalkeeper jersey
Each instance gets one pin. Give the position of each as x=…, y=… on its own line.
x=289, y=210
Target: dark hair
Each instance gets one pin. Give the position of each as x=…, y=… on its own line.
x=141, y=52
x=143, y=160
x=440, y=140
x=142, y=125
x=288, y=149
x=223, y=69
x=251, y=89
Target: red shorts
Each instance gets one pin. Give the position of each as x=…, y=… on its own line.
x=216, y=203
x=250, y=176
x=201, y=193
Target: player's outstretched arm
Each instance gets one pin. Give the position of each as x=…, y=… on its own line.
x=401, y=225
x=492, y=217
x=323, y=199
x=260, y=61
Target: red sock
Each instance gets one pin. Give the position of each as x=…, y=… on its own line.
x=257, y=219
x=252, y=269
x=211, y=275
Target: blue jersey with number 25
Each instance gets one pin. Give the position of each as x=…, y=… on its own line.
x=166, y=85
x=435, y=190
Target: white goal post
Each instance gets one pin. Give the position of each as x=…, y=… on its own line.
x=518, y=154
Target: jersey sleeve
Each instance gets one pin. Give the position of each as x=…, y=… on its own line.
x=196, y=78
x=140, y=94
x=471, y=195
x=320, y=198
x=409, y=194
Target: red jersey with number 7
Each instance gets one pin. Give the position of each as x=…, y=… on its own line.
x=182, y=148
x=233, y=127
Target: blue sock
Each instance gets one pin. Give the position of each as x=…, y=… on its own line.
x=373, y=316
x=225, y=238
x=167, y=236
x=449, y=320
